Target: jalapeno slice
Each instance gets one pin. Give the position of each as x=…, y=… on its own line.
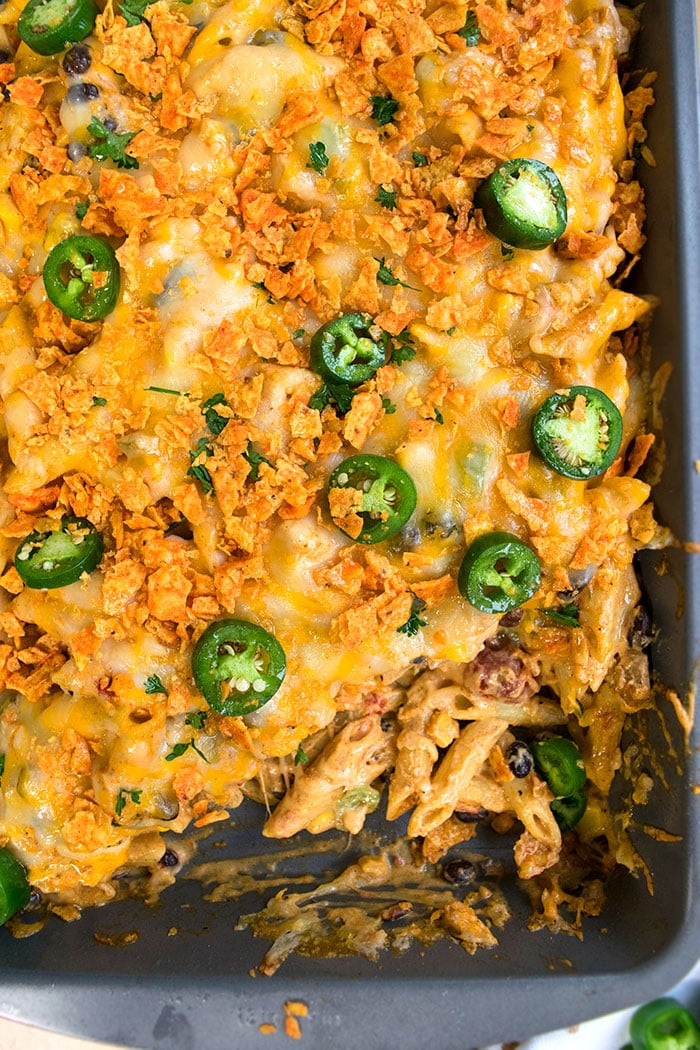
x=384, y=496
x=498, y=573
x=559, y=761
x=81, y=277
x=47, y=26
x=578, y=432
x=664, y=1024
x=345, y=352
x=238, y=666
x=14, y=886
x=56, y=558
x=569, y=810
x=524, y=204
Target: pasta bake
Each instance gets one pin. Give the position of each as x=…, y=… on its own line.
x=324, y=412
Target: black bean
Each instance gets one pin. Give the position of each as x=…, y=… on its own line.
x=512, y=618
x=461, y=871
x=169, y=859
x=470, y=816
x=35, y=899
x=110, y=123
x=77, y=60
x=642, y=629
x=519, y=759
x=76, y=150
x=5, y=56
x=385, y=723
x=82, y=92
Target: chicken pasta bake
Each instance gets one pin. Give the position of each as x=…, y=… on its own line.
x=323, y=418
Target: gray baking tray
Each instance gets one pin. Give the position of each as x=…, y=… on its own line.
x=194, y=991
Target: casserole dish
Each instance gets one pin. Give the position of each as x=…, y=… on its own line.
x=194, y=989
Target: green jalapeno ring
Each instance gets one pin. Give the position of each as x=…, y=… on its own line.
x=344, y=351
x=559, y=761
x=58, y=557
x=48, y=26
x=498, y=573
x=388, y=494
x=664, y=1024
x=569, y=810
x=579, y=448
x=523, y=203
x=68, y=277
x=14, y=886
x=238, y=666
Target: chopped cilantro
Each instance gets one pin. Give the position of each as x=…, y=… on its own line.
x=388, y=406
x=254, y=459
x=531, y=127
x=470, y=32
x=387, y=198
x=81, y=209
x=198, y=470
x=2, y=764
x=133, y=10
x=123, y=797
x=439, y=418
x=299, y=334
x=261, y=287
x=175, y=525
x=301, y=757
x=165, y=390
x=507, y=252
x=111, y=145
x=566, y=615
x=179, y=750
x=452, y=330
x=403, y=350
x=196, y=719
x=332, y=394
x=318, y=158
x=414, y=622
x=384, y=109
x=214, y=421
x=99, y=400
x=385, y=276
x=419, y=159
x=153, y=684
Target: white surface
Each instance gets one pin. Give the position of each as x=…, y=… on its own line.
x=606, y=1033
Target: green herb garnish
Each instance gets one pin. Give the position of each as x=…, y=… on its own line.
x=153, y=684
x=318, y=158
x=214, y=421
x=332, y=394
x=387, y=198
x=301, y=757
x=81, y=209
x=419, y=159
x=179, y=750
x=99, y=400
x=384, y=109
x=470, y=32
x=111, y=145
x=403, y=349
x=388, y=406
x=566, y=615
x=385, y=276
x=123, y=797
x=196, y=719
x=254, y=459
x=198, y=470
x=414, y=622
